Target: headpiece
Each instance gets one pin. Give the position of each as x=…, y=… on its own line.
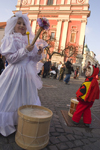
x=9, y=29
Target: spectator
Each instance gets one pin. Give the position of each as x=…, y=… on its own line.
x=76, y=73
x=59, y=66
x=68, y=70
x=54, y=71
x=1, y=64
x=62, y=70
x=46, y=68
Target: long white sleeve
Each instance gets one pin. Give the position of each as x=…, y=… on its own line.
x=17, y=56
x=13, y=48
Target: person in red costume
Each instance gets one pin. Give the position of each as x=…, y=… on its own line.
x=86, y=95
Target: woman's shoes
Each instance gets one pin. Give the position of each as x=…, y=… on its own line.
x=87, y=125
x=76, y=123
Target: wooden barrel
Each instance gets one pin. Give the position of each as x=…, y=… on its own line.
x=33, y=127
x=73, y=105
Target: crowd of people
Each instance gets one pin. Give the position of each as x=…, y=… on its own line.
x=57, y=71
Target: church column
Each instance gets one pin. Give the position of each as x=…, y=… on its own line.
x=58, y=32
x=87, y=1
x=55, y=2
x=64, y=34
x=38, y=2
x=30, y=21
x=62, y=1
x=33, y=2
x=69, y=1
x=82, y=32
x=33, y=26
x=45, y=2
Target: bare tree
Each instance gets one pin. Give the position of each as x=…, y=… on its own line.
x=70, y=50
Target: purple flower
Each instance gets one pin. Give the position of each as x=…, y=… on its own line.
x=44, y=23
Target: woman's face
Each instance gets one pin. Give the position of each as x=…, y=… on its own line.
x=20, y=26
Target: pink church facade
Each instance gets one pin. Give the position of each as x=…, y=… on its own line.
x=68, y=19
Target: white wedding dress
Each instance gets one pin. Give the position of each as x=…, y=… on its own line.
x=18, y=82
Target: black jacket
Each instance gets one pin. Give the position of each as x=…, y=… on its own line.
x=68, y=67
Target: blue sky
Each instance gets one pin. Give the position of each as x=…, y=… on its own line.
x=92, y=27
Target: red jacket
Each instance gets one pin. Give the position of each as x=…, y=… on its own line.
x=89, y=90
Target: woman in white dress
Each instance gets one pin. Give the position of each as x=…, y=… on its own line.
x=19, y=81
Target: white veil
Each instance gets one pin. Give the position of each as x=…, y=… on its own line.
x=9, y=29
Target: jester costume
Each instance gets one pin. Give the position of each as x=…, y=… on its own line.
x=86, y=95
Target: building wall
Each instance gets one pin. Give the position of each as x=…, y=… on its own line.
x=1, y=34
x=65, y=17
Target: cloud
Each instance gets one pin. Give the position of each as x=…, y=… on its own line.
x=88, y=30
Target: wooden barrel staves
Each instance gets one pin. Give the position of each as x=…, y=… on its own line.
x=33, y=127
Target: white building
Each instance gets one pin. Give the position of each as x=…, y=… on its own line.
x=88, y=56
x=2, y=28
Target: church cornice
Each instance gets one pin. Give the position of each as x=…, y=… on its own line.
x=59, y=5
x=57, y=12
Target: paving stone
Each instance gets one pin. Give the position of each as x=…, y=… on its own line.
x=78, y=148
x=95, y=131
x=78, y=137
x=87, y=134
x=92, y=139
x=56, y=134
x=78, y=143
x=45, y=149
x=68, y=130
x=85, y=141
x=56, y=116
x=56, y=122
x=16, y=147
x=62, y=138
x=59, y=130
x=54, y=140
x=62, y=146
x=53, y=148
x=52, y=129
x=11, y=138
x=93, y=147
x=7, y=147
x=70, y=144
x=70, y=137
x=58, y=126
x=1, y=147
x=3, y=140
x=95, y=135
x=49, y=143
x=86, y=147
x=76, y=132
x=55, y=119
x=97, y=143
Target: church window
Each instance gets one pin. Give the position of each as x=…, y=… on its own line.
x=50, y=2
x=52, y=35
x=73, y=37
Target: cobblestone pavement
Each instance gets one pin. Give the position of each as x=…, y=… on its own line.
x=53, y=95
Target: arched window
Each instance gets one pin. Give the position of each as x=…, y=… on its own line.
x=73, y=37
x=50, y=2
x=52, y=35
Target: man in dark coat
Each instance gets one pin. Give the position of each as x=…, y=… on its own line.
x=1, y=64
x=46, y=66
x=68, y=70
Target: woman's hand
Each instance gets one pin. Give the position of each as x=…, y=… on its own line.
x=29, y=47
x=40, y=50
